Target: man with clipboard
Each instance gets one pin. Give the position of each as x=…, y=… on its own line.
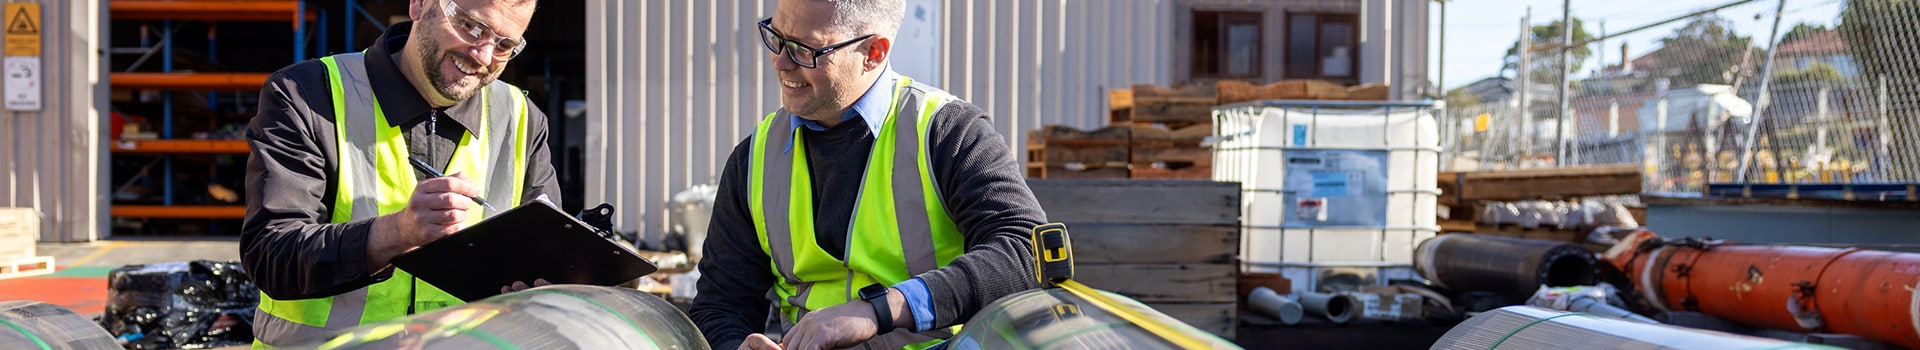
x=878, y=210
x=331, y=198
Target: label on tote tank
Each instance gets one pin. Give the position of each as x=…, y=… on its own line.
x=1336, y=188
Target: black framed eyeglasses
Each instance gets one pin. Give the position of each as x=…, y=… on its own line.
x=800, y=54
x=475, y=32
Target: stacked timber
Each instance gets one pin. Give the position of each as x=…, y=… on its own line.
x=1469, y=199
x=1171, y=244
x=19, y=229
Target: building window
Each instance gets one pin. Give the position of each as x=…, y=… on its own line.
x=1226, y=44
x=1322, y=46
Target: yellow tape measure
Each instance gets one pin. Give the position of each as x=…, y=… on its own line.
x=1053, y=258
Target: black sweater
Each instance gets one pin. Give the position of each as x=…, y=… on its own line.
x=978, y=179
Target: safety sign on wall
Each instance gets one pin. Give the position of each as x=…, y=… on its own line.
x=22, y=63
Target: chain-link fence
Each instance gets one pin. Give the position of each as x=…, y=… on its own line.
x=1839, y=103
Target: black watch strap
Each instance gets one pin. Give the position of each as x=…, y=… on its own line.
x=882, y=314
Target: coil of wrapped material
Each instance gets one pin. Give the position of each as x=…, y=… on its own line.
x=1528, y=327
x=551, y=317
x=37, y=325
x=1055, y=318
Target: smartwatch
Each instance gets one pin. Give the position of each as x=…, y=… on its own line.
x=876, y=294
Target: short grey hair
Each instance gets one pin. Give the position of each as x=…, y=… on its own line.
x=862, y=17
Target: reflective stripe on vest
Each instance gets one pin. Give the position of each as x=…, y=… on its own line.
x=372, y=178
x=899, y=228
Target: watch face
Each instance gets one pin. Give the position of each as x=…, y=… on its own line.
x=872, y=291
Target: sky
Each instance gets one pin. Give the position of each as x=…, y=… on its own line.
x=1480, y=31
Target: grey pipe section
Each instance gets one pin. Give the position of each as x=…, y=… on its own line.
x=37, y=325
x=1511, y=267
x=551, y=317
x=1529, y=327
x=1338, y=308
x=1268, y=302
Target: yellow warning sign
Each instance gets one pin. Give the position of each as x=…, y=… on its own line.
x=1480, y=122
x=23, y=29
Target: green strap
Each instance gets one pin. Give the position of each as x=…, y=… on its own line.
x=1510, y=334
x=23, y=331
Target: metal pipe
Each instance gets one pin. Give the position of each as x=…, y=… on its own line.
x=1759, y=111
x=1867, y=293
x=1338, y=308
x=1047, y=318
x=1268, y=302
x=1512, y=267
x=38, y=325
x=1528, y=327
x=551, y=317
x=1566, y=83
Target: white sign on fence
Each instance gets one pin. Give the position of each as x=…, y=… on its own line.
x=22, y=83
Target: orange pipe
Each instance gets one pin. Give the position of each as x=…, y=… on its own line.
x=188, y=81
x=1809, y=289
x=205, y=10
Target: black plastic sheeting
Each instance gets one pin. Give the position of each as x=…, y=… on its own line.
x=1055, y=318
x=180, y=305
x=38, y=325
x=550, y=317
x=1513, y=268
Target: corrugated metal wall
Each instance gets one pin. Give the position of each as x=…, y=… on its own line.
x=674, y=85
x=51, y=160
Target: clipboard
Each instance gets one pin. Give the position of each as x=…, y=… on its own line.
x=534, y=240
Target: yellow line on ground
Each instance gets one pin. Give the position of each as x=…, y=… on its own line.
x=96, y=254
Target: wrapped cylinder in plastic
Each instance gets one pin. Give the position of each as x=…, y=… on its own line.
x=1055, y=318
x=180, y=305
x=37, y=325
x=550, y=317
x=1867, y=293
x=1511, y=267
x=1529, y=327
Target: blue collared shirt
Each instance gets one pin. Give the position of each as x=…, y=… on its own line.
x=871, y=107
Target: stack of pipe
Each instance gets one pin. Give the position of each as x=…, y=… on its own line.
x=1867, y=293
x=1511, y=267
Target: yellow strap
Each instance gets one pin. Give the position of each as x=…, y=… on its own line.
x=1161, y=329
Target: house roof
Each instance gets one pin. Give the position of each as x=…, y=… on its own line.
x=1821, y=43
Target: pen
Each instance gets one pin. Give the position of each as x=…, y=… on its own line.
x=417, y=164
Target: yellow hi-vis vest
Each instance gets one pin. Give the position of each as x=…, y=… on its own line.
x=899, y=228
x=372, y=178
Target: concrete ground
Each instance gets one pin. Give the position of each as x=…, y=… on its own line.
x=141, y=250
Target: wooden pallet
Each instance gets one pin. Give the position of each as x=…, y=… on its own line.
x=1066, y=153
x=1173, y=245
x=23, y=267
x=1163, y=153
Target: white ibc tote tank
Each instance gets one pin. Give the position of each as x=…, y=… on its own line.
x=1334, y=193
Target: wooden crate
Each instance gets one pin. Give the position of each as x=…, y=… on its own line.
x=1156, y=104
x=1171, y=244
x=19, y=229
x=1157, y=152
x=1067, y=153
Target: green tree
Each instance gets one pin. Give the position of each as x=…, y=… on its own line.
x=1801, y=30
x=1880, y=36
x=1546, y=64
x=1461, y=98
x=1703, y=51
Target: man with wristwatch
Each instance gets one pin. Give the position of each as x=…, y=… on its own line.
x=871, y=210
